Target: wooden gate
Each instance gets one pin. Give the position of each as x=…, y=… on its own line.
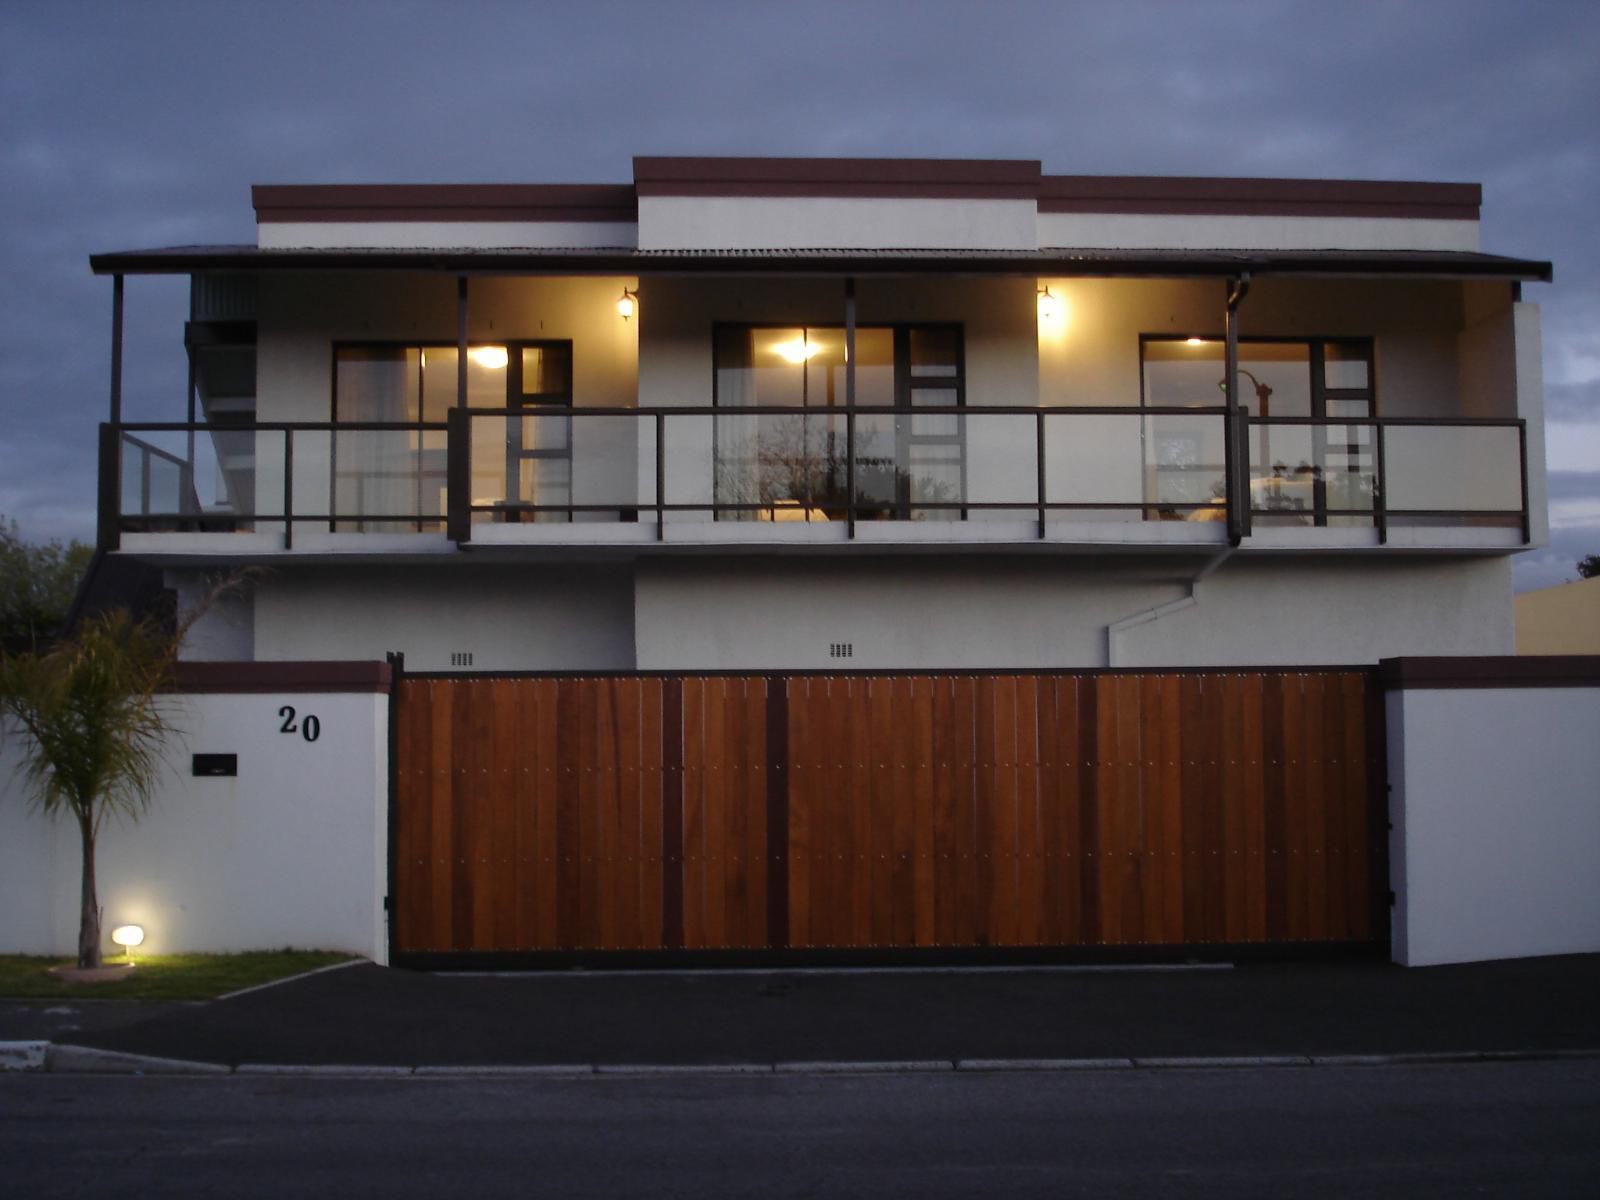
x=885, y=813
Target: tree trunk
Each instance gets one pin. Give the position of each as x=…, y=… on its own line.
x=89, y=910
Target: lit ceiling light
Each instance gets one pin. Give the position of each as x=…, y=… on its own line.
x=627, y=304
x=490, y=358
x=797, y=351
x=1194, y=341
x=1049, y=306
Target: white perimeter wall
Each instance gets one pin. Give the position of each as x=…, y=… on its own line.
x=1496, y=812
x=291, y=852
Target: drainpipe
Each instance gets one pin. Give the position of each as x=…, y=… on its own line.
x=1190, y=599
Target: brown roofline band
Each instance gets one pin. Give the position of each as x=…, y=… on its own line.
x=241, y=678
x=1522, y=671
x=877, y=178
x=364, y=202
x=1164, y=196
x=622, y=261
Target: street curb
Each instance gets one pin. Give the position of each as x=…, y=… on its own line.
x=22, y=1056
x=48, y=1057
x=864, y=1068
x=546, y=1070
x=1043, y=1064
x=86, y=1060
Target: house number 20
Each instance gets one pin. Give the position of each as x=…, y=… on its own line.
x=308, y=727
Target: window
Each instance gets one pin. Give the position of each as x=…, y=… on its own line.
x=1305, y=466
x=386, y=479
x=909, y=462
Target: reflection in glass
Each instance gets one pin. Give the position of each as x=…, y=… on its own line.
x=778, y=465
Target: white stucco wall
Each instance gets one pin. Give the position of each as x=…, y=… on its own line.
x=1210, y=232
x=1015, y=613
x=510, y=617
x=286, y=235
x=291, y=852
x=1496, y=816
x=810, y=222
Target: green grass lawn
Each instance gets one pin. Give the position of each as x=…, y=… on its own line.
x=161, y=976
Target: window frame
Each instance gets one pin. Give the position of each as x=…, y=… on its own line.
x=513, y=399
x=902, y=408
x=1319, y=394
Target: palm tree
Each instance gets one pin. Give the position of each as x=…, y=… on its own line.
x=95, y=722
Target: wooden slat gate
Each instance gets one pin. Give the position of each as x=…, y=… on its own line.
x=573, y=816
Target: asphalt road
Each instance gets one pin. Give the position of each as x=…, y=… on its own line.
x=1523, y=1129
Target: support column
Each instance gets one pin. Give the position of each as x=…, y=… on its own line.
x=461, y=341
x=1236, y=452
x=116, y=349
x=850, y=403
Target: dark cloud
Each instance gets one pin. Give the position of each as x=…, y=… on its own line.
x=133, y=125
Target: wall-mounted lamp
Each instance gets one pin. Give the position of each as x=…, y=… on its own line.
x=627, y=304
x=128, y=936
x=1049, y=306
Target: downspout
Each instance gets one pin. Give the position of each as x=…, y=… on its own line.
x=1189, y=599
x=1236, y=450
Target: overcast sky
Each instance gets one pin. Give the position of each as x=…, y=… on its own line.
x=136, y=125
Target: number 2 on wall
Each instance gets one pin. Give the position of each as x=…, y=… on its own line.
x=309, y=726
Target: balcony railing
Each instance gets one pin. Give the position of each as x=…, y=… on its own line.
x=1055, y=468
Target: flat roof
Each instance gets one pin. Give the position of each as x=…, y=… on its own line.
x=618, y=260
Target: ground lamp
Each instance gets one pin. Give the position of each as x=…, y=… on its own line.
x=128, y=936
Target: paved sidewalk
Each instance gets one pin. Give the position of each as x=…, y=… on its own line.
x=368, y=1015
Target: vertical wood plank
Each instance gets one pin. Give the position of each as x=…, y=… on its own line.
x=1130, y=815
x=1255, y=833
x=924, y=868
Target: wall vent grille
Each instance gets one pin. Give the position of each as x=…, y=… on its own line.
x=461, y=658
x=841, y=649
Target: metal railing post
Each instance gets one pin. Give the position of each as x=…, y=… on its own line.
x=1380, y=486
x=1522, y=466
x=458, y=475
x=288, y=489
x=1038, y=442
x=109, y=531
x=661, y=477
x=850, y=473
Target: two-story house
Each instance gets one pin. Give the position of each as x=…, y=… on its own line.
x=751, y=419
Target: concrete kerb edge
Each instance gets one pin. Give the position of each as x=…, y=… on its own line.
x=48, y=1057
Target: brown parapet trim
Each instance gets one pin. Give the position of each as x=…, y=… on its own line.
x=368, y=202
x=847, y=189
x=1160, y=195
x=988, y=178
x=255, y=677
x=1521, y=671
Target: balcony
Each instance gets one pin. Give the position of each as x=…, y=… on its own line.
x=946, y=477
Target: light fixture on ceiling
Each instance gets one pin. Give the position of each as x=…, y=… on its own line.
x=1049, y=305
x=490, y=358
x=797, y=351
x=627, y=304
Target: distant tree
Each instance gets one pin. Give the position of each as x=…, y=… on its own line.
x=1589, y=566
x=37, y=584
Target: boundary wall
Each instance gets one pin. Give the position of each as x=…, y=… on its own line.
x=290, y=851
x=1494, y=771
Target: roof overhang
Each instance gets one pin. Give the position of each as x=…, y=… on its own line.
x=1087, y=262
